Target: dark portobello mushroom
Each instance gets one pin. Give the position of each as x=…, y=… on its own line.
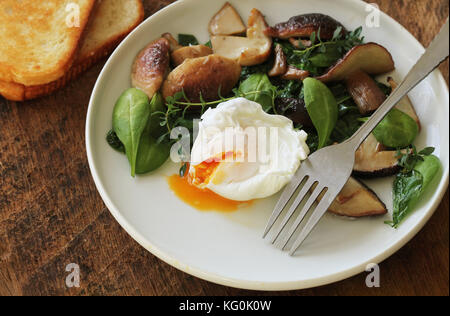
x=304, y=25
x=294, y=109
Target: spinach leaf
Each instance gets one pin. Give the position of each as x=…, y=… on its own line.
x=114, y=141
x=130, y=117
x=152, y=154
x=187, y=40
x=322, y=108
x=327, y=58
x=258, y=88
x=397, y=130
x=409, y=187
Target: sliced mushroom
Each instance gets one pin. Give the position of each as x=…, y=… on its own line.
x=294, y=109
x=405, y=104
x=357, y=200
x=203, y=77
x=371, y=58
x=294, y=73
x=151, y=66
x=183, y=53
x=372, y=160
x=174, y=45
x=247, y=51
x=304, y=25
x=365, y=91
x=226, y=22
x=280, y=66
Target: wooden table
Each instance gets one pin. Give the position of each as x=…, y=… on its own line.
x=51, y=214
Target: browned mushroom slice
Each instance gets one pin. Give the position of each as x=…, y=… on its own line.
x=372, y=160
x=294, y=109
x=183, y=53
x=357, y=200
x=371, y=58
x=203, y=77
x=365, y=92
x=304, y=26
x=151, y=67
x=247, y=51
x=405, y=104
x=226, y=22
x=280, y=66
x=174, y=45
x=294, y=73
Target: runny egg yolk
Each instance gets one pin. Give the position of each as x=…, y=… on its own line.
x=205, y=170
x=186, y=188
x=202, y=199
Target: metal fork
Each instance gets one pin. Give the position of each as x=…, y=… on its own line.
x=325, y=172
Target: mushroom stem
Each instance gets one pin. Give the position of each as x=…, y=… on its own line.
x=294, y=73
x=280, y=66
x=365, y=91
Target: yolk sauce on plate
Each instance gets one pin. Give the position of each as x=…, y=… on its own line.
x=203, y=199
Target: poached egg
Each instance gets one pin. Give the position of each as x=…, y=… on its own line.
x=242, y=153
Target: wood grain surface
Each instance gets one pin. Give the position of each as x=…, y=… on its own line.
x=51, y=214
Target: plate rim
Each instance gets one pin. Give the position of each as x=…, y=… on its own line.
x=232, y=282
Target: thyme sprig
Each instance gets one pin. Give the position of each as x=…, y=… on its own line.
x=322, y=54
x=178, y=107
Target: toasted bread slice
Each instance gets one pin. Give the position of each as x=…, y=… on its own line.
x=40, y=39
x=111, y=22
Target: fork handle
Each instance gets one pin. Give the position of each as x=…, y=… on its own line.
x=436, y=53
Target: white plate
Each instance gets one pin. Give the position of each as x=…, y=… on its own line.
x=228, y=249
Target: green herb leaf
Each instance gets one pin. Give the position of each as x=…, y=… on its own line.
x=326, y=57
x=183, y=170
x=130, y=117
x=187, y=40
x=322, y=108
x=152, y=152
x=427, y=151
x=258, y=88
x=397, y=130
x=410, y=187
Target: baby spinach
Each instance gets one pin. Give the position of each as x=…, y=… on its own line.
x=396, y=130
x=187, y=40
x=328, y=58
x=322, y=108
x=258, y=88
x=130, y=117
x=410, y=185
x=152, y=154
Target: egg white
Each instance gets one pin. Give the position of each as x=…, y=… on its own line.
x=242, y=177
